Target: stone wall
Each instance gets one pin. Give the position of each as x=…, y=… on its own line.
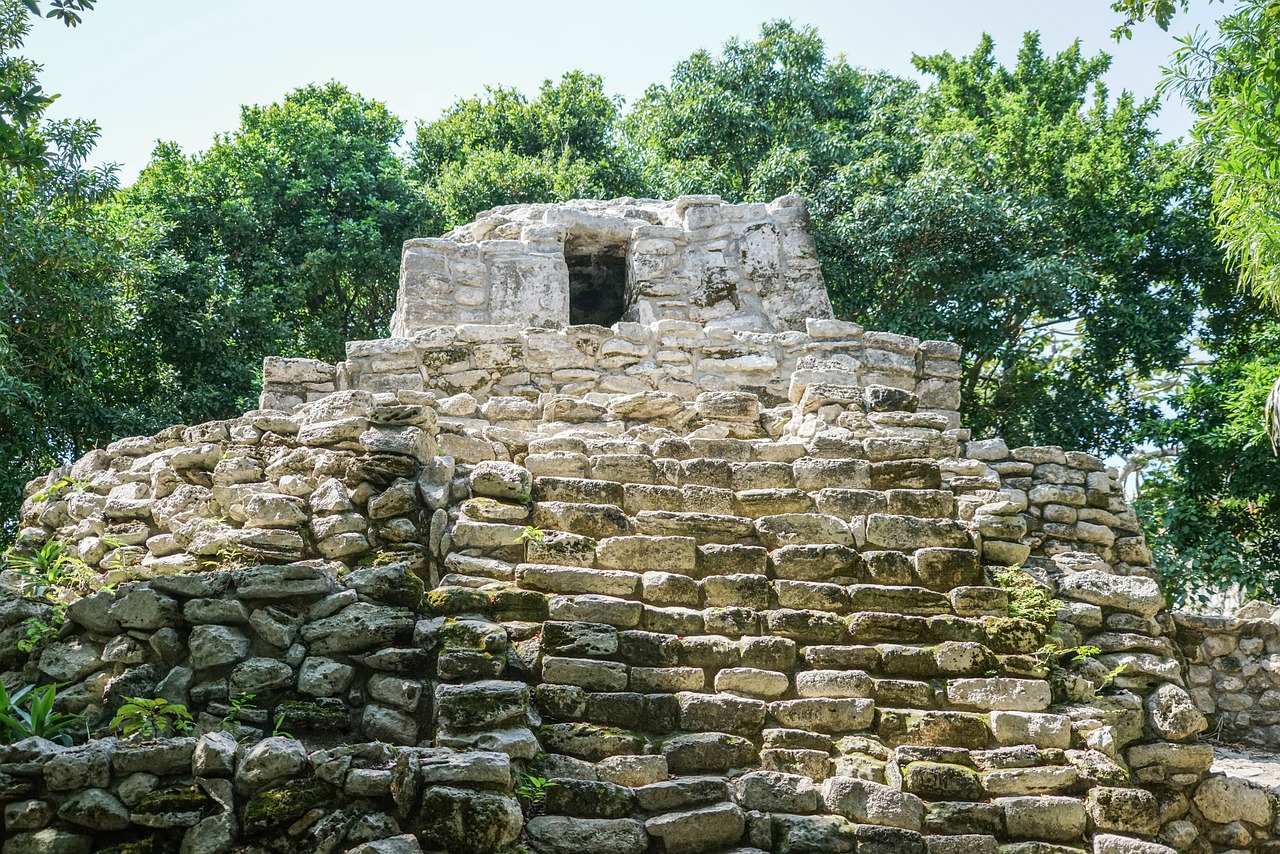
x=679, y=358
x=792, y=642
x=1233, y=669
x=696, y=259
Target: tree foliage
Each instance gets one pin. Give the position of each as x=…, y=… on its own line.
x=503, y=149
x=1231, y=79
x=69, y=268
x=1213, y=514
x=284, y=238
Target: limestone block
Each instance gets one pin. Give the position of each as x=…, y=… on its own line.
x=1173, y=714
x=752, y=682
x=587, y=673
x=565, y=835
x=1056, y=819
x=1224, y=799
x=998, y=694
x=1122, y=810
x=824, y=715
x=1041, y=730
x=834, y=683
x=1110, y=843
x=1131, y=593
x=706, y=829
x=867, y=802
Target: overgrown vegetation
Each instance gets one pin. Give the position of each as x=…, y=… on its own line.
x=1028, y=599
x=54, y=578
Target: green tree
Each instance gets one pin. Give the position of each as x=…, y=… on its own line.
x=285, y=239
x=1231, y=79
x=1212, y=511
x=503, y=148
x=770, y=116
x=70, y=270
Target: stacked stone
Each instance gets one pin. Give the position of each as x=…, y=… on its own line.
x=201, y=796
x=1233, y=668
x=676, y=357
x=714, y=625
x=336, y=479
x=690, y=259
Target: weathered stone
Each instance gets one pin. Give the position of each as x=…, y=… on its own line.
x=1131, y=593
x=563, y=835
x=1173, y=714
x=867, y=802
x=1225, y=799
x=468, y=822
x=706, y=829
x=269, y=762
x=217, y=646
x=1055, y=819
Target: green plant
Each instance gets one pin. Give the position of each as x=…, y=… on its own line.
x=533, y=791
x=29, y=712
x=52, y=575
x=50, y=572
x=1027, y=599
x=277, y=731
x=40, y=629
x=138, y=716
x=530, y=534
x=59, y=488
x=240, y=704
x=1064, y=664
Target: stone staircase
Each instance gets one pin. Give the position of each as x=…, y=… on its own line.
x=818, y=612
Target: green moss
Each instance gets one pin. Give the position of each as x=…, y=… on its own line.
x=1027, y=599
x=443, y=601
x=1013, y=635
x=142, y=846
x=512, y=602
x=189, y=799
x=325, y=713
x=284, y=804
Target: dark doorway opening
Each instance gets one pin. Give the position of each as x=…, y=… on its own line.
x=597, y=280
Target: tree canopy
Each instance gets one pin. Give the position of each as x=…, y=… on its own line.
x=1021, y=212
x=284, y=237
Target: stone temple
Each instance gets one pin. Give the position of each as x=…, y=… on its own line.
x=622, y=543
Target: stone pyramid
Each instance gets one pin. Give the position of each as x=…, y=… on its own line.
x=622, y=544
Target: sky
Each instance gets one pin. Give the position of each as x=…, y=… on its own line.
x=179, y=70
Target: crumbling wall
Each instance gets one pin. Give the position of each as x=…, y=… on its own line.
x=1233, y=669
x=678, y=358
x=750, y=267
x=799, y=641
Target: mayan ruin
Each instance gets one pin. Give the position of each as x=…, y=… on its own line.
x=623, y=544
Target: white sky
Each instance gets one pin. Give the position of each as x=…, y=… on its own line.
x=179, y=70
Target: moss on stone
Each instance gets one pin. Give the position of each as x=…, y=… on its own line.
x=1013, y=635
x=284, y=804
x=451, y=600
x=150, y=845
x=1027, y=599
x=189, y=799
x=325, y=713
